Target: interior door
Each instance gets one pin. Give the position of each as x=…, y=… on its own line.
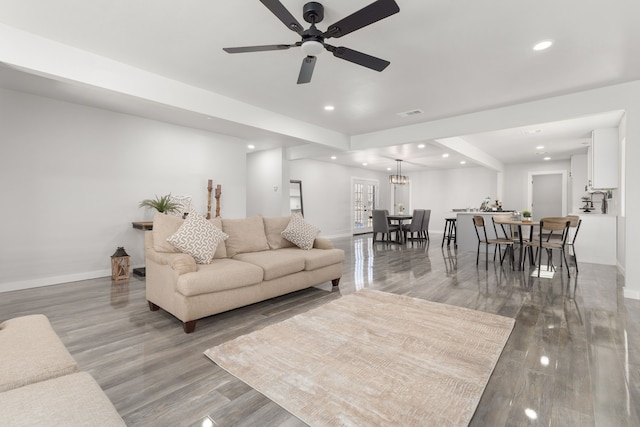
x=364, y=201
x=546, y=196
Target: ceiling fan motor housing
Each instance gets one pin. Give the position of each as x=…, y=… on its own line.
x=313, y=12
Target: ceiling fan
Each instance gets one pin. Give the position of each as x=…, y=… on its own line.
x=312, y=42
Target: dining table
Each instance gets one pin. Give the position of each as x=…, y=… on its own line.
x=401, y=219
x=519, y=223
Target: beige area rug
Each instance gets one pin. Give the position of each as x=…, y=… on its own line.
x=372, y=359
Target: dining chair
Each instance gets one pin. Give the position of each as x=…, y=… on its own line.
x=381, y=225
x=479, y=225
x=415, y=226
x=571, y=239
x=425, y=224
x=553, y=235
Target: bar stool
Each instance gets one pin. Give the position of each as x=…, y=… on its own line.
x=449, y=231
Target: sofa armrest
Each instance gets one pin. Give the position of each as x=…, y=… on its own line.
x=322, y=243
x=179, y=262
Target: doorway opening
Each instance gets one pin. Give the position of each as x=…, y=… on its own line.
x=547, y=194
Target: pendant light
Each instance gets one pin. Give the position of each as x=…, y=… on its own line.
x=398, y=178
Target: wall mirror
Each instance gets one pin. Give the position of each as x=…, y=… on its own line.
x=295, y=196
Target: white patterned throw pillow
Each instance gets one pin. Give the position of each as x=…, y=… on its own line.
x=184, y=205
x=198, y=238
x=300, y=232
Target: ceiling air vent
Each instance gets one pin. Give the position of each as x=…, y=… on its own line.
x=410, y=113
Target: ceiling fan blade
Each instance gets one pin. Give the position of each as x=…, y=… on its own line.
x=283, y=15
x=358, y=57
x=258, y=48
x=367, y=15
x=306, y=70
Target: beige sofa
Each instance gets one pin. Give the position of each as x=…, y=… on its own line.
x=40, y=383
x=255, y=263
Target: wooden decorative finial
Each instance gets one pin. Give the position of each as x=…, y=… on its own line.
x=209, y=189
x=218, y=194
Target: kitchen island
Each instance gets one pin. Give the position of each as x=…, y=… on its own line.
x=466, y=234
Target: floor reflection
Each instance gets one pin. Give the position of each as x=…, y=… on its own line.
x=120, y=293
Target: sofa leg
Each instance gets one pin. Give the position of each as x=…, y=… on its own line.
x=335, y=282
x=153, y=307
x=189, y=326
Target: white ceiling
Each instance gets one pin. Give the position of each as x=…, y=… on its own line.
x=447, y=59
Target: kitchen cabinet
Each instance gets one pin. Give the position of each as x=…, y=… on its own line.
x=602, y=159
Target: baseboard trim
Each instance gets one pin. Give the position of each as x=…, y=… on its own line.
x=56, y=280
x=631, y=294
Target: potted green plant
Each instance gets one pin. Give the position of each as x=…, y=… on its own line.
x=162, y=204
x=526, y=215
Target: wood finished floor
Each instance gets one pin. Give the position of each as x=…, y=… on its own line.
x=573, y=358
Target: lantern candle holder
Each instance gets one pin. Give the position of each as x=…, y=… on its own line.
x=120, y=264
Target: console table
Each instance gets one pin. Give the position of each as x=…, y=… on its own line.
x=141, y=225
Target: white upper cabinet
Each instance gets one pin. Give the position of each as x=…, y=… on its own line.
x=603, y=159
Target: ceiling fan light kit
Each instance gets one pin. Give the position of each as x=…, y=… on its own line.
x=313, y=40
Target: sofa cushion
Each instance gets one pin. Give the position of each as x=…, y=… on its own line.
x=245, y=235
x=275, y=263
x=220, y=275
x=198, y=238
x=31, y=352
x=70, y=400
x=221, y=251
x=273, y=228
x=165, y=226
x=316, y=258
x=300, y=232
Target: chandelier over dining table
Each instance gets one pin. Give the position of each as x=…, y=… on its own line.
x=398, y=178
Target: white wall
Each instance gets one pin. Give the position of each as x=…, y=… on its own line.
x=267, y=183
x=444, y=190
x=327, y=193
x=516, y=181
x=577, y=182
x=71, y=178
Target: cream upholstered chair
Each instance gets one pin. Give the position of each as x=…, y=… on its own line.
x=553, y=235
x=481, y=233
x=381, y=225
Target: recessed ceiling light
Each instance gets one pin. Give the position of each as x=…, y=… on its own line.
x=463, y=162
x=445, y=155
x=388, y=169
x=251, y=146
x=543, y=45
x=329, y=107
x=421, y=145
x=365, y=164
x=547, y=158
x=539, y=147
x=333, y=157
